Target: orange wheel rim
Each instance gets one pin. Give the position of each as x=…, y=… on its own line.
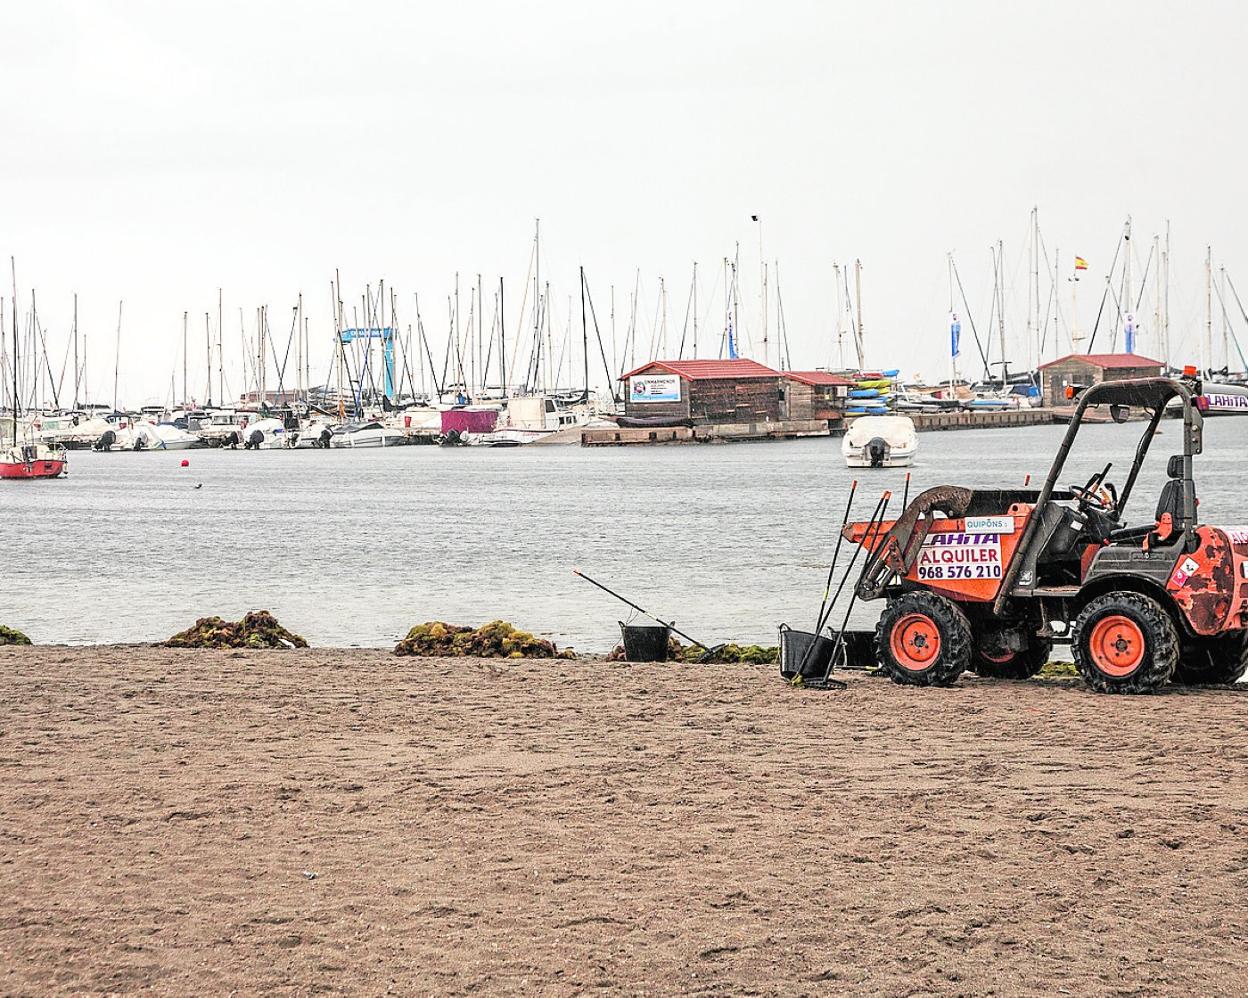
x=1116, y=645
x=915, y=642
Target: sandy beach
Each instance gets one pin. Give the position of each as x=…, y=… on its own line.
x=346, y=821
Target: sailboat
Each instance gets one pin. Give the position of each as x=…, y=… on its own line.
x=29, y=459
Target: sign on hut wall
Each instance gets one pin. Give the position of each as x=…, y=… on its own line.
x=654, y=388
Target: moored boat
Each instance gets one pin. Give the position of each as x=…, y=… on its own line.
x=875, y=441
x=27, y=461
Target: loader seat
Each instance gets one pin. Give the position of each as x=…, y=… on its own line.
x=1170, y=501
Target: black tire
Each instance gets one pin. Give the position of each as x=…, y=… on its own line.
x=1020, y=665
x=933, y=614
x=1213, y=661
x=1156, y=658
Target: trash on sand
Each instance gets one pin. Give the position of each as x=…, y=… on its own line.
x=259, y=629
x=497, y=639
x=719, y=655
x=10, y=636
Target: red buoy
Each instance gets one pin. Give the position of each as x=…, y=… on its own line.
x=185, y=463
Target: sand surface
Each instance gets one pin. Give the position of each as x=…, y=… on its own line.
x=345, y=821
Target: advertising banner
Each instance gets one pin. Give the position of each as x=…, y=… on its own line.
x=654, y=388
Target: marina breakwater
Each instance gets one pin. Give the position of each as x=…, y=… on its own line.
x=795, y=428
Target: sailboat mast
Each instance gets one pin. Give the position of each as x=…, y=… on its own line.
x=1128, y=299
x=537, y=268
x=762, y=270
x=13, y=267
x=1208, y=308
x=208, y=348
x=584, y=335
x=1226, y=346
x=1001, y=307
x=184, y=364
x=299, y=347
x=502, y=339
x=76, y=382
x=1166, y=299
x=695, y=309
x=1035, y=276
x=953, y=360
x=117, y=356
x=220, y=353
x=1157, y=298
x=858, y=340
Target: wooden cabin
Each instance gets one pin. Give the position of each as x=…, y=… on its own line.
x=703, y=391
x=1081, y=370
x=813, y=395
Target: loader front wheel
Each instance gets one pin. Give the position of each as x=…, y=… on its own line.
x=1213, y=661
x=1125, y=642
x=923, y=640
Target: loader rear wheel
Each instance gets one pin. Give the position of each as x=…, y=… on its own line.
x=923, y=640
x=1125, y=642
x=1008, y=664
x=1213, y=661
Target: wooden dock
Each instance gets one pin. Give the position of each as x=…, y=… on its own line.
x=711, y=433
x=791, y=428
x=967, y=420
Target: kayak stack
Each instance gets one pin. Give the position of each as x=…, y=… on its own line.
x=872, y=394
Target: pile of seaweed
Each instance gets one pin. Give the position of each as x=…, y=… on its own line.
x=497, y=639
x=259, y=629
x=11, y=636
x=728, y=654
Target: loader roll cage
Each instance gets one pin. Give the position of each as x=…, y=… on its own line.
x=1151, y=394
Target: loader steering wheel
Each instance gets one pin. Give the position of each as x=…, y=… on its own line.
x=1090, y=498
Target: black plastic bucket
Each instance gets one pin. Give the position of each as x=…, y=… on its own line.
x=645, y=642
x=794, y=649
x=859, y=650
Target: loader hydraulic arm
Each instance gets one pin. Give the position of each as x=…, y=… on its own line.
x=898, y=551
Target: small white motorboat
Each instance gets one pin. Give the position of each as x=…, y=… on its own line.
x=161, y=436
x=370, y=434
x=880, y=442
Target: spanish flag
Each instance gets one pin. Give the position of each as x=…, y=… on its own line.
x=1081, y=263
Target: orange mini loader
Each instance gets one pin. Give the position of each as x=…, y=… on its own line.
x=988, y=580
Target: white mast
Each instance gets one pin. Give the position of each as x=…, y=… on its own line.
x=1001, y=306
x=1157, y=297
x=858, y=299
x=1208, y=364
x=953, y=361
x=1129, y=302
x=762, y=272
x=1226, y=344
x=840, y=317
x=695, y=309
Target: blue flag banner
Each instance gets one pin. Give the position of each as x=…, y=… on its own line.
x=1130, y=333
x=732, y=342
x=955, y=335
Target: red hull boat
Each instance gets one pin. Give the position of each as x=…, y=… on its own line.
x=32, y=462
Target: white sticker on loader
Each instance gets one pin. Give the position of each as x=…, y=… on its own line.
x=990, y=524
x=959, y=556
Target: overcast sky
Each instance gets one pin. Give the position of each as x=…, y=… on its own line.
x=156, y=151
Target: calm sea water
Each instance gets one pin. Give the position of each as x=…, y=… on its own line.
x=352, y=548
